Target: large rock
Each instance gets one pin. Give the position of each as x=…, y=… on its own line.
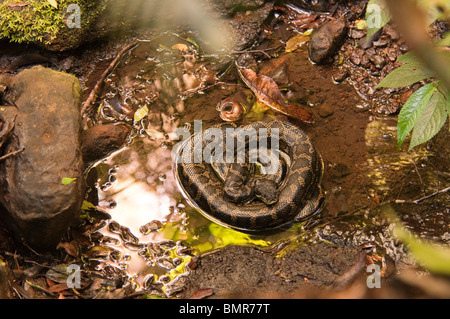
x=36, y=206
x=326, y=40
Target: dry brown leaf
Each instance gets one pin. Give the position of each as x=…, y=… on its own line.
x=268, y=93
x=296, y=42
x=202, y=293
x=58, y=288
x=70, y=248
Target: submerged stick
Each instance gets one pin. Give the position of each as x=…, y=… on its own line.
x=417, y=201
x=11, y=154
x=100, y=81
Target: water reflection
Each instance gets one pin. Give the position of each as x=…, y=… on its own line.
x=136, y=187
x=139, y=192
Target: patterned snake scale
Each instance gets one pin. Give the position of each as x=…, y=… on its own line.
x=300, y=192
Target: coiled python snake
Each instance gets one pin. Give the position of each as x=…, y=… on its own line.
x=228, y=193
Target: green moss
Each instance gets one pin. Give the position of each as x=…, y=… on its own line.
x=39, y=21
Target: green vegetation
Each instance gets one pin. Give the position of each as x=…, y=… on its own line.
x=40, y=21
x=427, y=110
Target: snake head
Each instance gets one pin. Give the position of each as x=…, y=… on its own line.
x=266, y=190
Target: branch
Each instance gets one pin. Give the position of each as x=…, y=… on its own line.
x=100, y=81
x=417, y=201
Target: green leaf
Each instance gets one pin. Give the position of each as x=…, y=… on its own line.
x=431, y=120
x=53, y=3
x=140, y=113
x=405, y=75
x=447, y=106
x=193, y=42
x=67, y=180
x=87, y=205
x=411, y=110
x=409, y=57
x=377, y=16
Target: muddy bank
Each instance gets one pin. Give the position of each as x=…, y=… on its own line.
x=264, y=275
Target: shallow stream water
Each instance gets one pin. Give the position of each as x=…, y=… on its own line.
x=154, y=231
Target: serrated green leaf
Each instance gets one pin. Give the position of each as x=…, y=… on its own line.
x=409, y=57
x=431, y=120
x=377, y=16
x=405, y=75
x=140, y=113
x=447, y=102
x=67, y=180
x=53, y=3
x=411, y=110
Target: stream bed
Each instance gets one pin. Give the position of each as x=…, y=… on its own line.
x=139, y=237
x=155, y=232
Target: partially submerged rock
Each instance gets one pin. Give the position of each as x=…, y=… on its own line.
x=101, y=140
x=326, y=40
x=37, y=206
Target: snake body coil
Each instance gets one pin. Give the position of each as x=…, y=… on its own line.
x=296, y=181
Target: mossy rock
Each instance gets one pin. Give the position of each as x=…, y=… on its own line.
x=39, y=22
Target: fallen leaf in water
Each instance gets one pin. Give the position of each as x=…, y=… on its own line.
x=140, y=113
x=298, y=112
x=267, y=92
x=202, y=293
x=180, y=47
x=299, y=19
x=67, y=180
x=70, y=248
x=58, y=288
x=296, y=42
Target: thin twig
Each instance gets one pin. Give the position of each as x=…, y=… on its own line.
x=417, y=171
x=102, y=78
x=417, y=201
x=11, y=154
x=263, y=51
